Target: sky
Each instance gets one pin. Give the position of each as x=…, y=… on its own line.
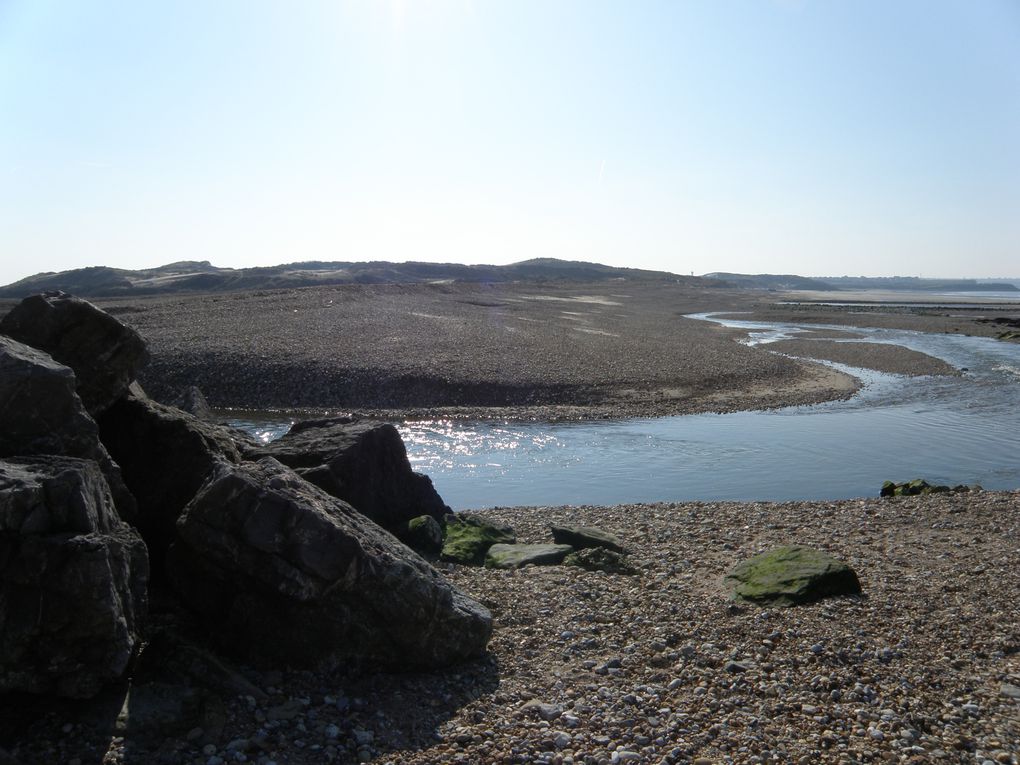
x=857, y=137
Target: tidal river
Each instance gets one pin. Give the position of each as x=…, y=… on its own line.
x=946, y=429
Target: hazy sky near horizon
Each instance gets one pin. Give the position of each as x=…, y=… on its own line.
x=859, y=137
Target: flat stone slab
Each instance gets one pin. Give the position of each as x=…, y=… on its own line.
x=515, y=556
x=788, y=576
x=584, y=537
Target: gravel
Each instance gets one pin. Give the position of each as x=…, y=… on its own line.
x=662, y=667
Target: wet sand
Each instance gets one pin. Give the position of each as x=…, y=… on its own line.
x=522, y=351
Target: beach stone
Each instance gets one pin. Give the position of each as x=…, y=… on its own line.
x=917, y=486
x=165, y=455
x=1010, y=691
x=364, y=463
x=468, y=539
x=105, y=354
x=41, y=413
x=599, y=559
x=791, y=575
x=584, y=537
x=509, y=556
x=73, y=579
x=283, y=572
x=424, y=534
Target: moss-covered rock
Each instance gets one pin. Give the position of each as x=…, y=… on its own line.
x=600, y=559
x=424, y=534
x=468, y=539
x=917, y=487
x=792, y=575
x=515, y=556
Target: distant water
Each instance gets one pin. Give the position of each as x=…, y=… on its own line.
x=946, y=429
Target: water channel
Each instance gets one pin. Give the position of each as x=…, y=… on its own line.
x=946, y=429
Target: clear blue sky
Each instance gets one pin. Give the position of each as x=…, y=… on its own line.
x=824, y=138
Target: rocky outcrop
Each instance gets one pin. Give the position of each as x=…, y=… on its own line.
x=504, y=556
x=468, y=539
x=41, y=413
x=105, y=354
x=364, y=464
x=73, y=579
x=920, y=486
x=583, y=537
x=791, y=575
x=192, y=401
x=165, y=456
x=281, y=570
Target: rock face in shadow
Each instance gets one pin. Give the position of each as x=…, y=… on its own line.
x=165, y=456
x=73, y=579
x=41, y=413
x=281, y=570
x=364, y=464
x=105, y=354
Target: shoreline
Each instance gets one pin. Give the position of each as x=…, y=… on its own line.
x=662, y=667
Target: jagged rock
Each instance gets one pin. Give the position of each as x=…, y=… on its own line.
x=281, y=570
x=165, y=456
x=517, y=556
x=193, y=402
x=791, y=575
x=73, y=579
x=105, y=354
x=364, y=464
x=41, y=413
x=583, y=537
x=424, y=534
x=920, y=486
x=599, y=559
x=468, y=539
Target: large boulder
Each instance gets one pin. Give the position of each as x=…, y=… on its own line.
x=41, y=413
x=73, y=579
x=165, y=455
x=105, y=354
x=361, y=462
x=281, y=570
x=788, y=576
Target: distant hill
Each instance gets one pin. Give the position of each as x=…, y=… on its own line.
x=202, y=276
x=770, y=281
x=829, y=283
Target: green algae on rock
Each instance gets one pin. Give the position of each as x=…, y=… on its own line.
x=468, y=539
x=791, y=575
x=509, y=556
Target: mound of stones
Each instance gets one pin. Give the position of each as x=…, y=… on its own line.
x=108, y=498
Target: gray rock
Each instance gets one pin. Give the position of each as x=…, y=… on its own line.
x=361, y=462
x=73, y=579
x=105, y=354
x=515, y=556
x=41, y=413
x=192, y=401
x=600, y=559
x=1010, y=691
x=165, y=455
x=791, y=575
x=282, y=571
x=584, y=537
